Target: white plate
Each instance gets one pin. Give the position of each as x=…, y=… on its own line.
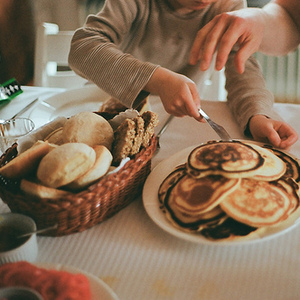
x=99, y=289
x=152, y=207
x=68, y=103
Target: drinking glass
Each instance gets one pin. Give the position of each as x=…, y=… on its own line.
x=13, y=129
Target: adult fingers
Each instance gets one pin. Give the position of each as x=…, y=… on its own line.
x=247, y=48
x=230, y=37
x=222, y=32
x=199, y=42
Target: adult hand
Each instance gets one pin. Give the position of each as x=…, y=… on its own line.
x=244, y=27
x=178, y=93
x=277, y=133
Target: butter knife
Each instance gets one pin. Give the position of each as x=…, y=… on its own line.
x=163, y=129
x=222, y=133
x=25, y=108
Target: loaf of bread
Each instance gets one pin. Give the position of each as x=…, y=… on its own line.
x=133, y=134
x=124, y=137
x=99, y=169
x=150, y=122
x=35, y=189
x=26, y=163
x=55, y=137
x=65, y=163
x=139, y=133
x=88, y=128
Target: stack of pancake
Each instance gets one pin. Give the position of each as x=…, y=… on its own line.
x=227, y=190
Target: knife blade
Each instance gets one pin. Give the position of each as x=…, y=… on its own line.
x=222, y=133
x=25, y=108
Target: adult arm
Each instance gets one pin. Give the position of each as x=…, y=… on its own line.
x=282, y=27
x=273, y=30
x=293, y=9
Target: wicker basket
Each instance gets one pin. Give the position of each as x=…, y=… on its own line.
x=85, y=209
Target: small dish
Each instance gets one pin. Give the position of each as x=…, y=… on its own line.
x=13, y=248
x=19, y=293
x=99, y=289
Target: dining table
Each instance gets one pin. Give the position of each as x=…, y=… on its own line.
x=138, y=259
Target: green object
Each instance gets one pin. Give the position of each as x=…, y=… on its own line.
x=10, y=89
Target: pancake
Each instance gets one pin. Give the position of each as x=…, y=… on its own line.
x=192, y=204
x=197, y=196
x=273, y=167
x=228, y=230
x=169, y=181
x=230, y=159
x=257, y=203
x=292, y=165
x=291, y=188
x=194, y=223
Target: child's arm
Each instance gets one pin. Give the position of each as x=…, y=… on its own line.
x=177, y=92
x=278, y=133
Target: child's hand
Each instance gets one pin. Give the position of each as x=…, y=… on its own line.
x=178, y=93
x=278, y=133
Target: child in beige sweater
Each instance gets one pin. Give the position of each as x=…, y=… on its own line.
x=131, y=48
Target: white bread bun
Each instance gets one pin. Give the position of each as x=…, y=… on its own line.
x=100, y=168
x=88, y=128
x=27, y=162
x=55, y=137
x=65, y=163
x=41, y=191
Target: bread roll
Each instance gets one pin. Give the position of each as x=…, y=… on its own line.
x=27, y=162
x=41, y=191
x=100, y=168
x=55, y=137
x=65, y=163
x=88, y=128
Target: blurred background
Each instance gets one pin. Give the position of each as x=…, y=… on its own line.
x=18, y=22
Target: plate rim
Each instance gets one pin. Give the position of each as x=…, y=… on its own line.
x=75, y=94
x=161, y=170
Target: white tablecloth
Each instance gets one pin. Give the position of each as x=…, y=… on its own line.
x=139, y=260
